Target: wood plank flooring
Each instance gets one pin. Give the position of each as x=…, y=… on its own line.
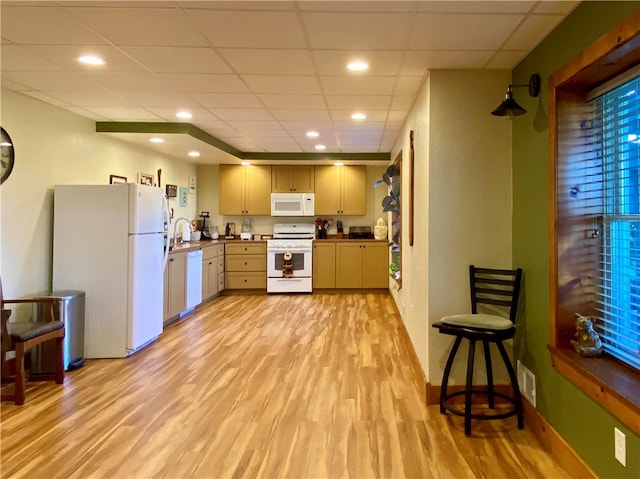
x=277, y=386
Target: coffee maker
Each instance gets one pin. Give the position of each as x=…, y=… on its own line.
x=206, y=234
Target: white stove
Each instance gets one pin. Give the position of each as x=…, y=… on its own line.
x=289, y=257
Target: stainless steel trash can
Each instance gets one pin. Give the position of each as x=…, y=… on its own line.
x=69, y=310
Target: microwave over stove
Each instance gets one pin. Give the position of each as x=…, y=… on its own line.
x=292, y=204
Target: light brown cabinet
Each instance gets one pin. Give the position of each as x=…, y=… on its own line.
x=362, y=265
x=246, y=265
x=212, y=270
x=175, y=285
x=245, y=190
x=340, y=190
x=324, y=264
x=292, y=179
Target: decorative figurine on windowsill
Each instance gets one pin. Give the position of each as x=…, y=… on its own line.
x=588, y=342
x=287, y=265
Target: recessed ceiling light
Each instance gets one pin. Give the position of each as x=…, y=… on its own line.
x=321, y=147
x=194, y=154
x=338, y=164
x=155, y=139
x=245, y=163
x=358, y=116
x=185, y=115
x=313, y=134
x=91, y=60
x=358, y=66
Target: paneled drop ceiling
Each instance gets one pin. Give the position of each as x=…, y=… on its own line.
x=257, y=76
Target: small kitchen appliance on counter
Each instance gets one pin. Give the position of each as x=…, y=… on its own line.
x=245, y=230
x=360, y=232
x=204, y=227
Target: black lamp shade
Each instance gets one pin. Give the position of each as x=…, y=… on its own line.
x=509, y=107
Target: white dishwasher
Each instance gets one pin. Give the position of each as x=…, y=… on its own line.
x=194, y=278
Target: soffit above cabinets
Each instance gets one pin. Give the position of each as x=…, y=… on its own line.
x=257, y=75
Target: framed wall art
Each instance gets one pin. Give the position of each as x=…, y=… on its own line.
x=116, y=180
x=145, y=179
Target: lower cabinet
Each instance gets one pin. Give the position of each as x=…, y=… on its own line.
x=362, y=265
x=175, y=285
x=212, y=270
x=245, y=265
x=324, y=264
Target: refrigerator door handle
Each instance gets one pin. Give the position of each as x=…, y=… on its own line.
x=167, y=214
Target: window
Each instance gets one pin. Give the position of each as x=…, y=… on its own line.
x=593, y=260
x=617, y=141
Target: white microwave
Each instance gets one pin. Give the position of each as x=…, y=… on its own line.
x=292, y=204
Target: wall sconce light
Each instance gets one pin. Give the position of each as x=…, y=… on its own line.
x=509, y=107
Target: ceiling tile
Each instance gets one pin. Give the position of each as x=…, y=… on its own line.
x=461, y=32
x=301, y=115
x=66, y=57
x=15, y=58
x=504, y=60
x=158, y=98
x=334, y=62
x=162, y=26
x=534, y=27
x=356, y=102
x=290, y=84
x=257, y=29
x=169, y=114
x=294, y=102
x=179, y=59
x=226, y=100
x=269, y=61
x=348, y=31
x=203, y=82
x=243, y=114
x=47, y=26
x=357, y=85
x=51, y=80
x=517, y=6
x=123, y=114
x=89, y=98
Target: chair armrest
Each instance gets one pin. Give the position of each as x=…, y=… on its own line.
x=50, y=301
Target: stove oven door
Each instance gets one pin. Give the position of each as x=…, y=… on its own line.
x=300, y=264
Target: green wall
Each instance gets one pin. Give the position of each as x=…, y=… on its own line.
x=586, y=427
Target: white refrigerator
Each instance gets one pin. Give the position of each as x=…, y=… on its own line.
x=108, y=241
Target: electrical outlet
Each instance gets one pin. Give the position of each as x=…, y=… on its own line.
x=526, y=383
x=620, y=445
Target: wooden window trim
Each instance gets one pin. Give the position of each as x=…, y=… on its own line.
x=609, y=383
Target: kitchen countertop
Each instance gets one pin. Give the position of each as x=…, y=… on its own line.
x=196, y=245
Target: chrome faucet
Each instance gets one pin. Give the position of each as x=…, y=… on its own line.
x=175, y=228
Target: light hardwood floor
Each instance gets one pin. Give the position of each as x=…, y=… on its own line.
x=300, y=386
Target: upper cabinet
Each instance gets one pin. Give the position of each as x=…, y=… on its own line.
x=340, y=190
x=245, y=190
x=292, y=179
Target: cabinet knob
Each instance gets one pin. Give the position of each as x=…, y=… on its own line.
x=171, y=260
x=245, y=263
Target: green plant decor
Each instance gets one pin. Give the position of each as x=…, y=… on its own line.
x=391, y=204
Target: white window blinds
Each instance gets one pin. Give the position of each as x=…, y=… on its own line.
x=617, y=126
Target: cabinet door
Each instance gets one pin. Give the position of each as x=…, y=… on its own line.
x=375, y=272
x=302, y=178
x=349, y=265
x=324, y=265
x=258, y=190
x=231, y=191
x=354, y=190
x=177, y=283
x=327, y=190
x=209, y=277
x=281, y=179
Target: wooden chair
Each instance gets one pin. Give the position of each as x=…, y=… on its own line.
x=499, y=288
x=20, y=337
